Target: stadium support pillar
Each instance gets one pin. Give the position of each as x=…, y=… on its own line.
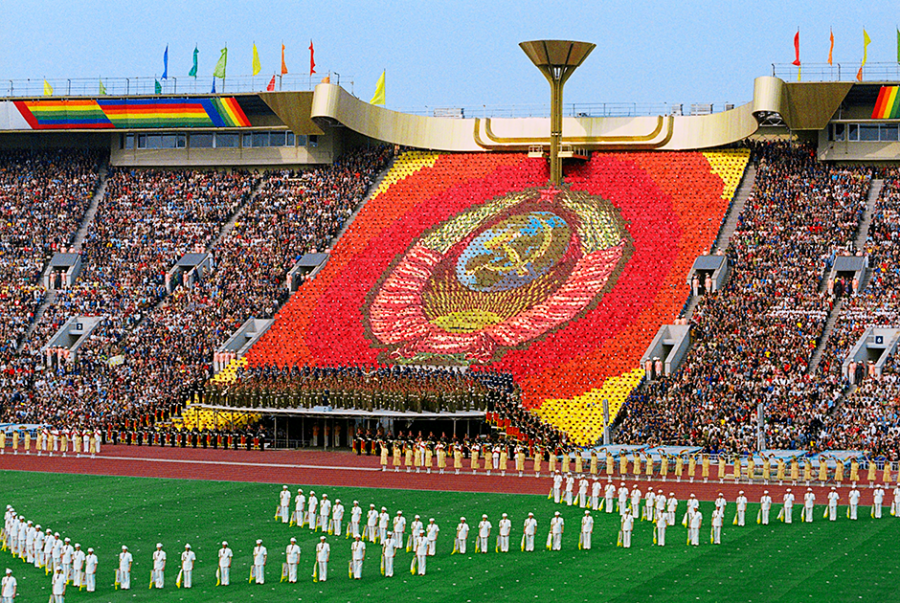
x=557, y=60
x=760, y=427
x=606, y=438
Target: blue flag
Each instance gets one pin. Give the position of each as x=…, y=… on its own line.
x=213, y=91
x=165, y=74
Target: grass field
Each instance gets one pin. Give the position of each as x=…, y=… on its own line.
x=824, y=561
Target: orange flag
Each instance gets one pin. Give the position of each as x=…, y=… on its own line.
x=831, y=48
x=283, y=64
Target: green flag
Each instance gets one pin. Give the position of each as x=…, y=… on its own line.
x=102, y=89
x=157, y=87
x=898, y=44
x=219, y=71
x=193, y=71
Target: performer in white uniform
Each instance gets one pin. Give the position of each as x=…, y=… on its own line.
x=323, y=552
x=399, y=530
x=388, y=551
x=529, y=532
x=188, y=558
x=609, y=494
x=90, y=571
x=284, y=504
x=312, y=506
x=587, y=528
x=159, y=566
x=877, y=501
x=337, y=517
x=462, y=534
x=78, y=566
x=741, y=502
x=125, y=560
x=627, y=527
x=260, y=555
x=788, y=509
x=300, y=508
x=431, y=531
x=833, y=498
x=371, y=523
x=484, y=533
x=357, y=556
x=225, y=556
x=355, y=516
x=809, y=503
x=504, y=529
x=557, y=524
x=8, y=587
x=765, y=505
x=292, y=557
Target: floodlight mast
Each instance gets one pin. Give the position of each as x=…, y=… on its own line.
x=557, y=60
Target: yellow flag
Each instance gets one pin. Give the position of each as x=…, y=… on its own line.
x=866, y=41
x=378, y=98
x=256, y=65
x=48, y=89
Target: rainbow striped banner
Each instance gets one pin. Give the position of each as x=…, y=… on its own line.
x=888, y=104
x=133, y=113
x=63, y=114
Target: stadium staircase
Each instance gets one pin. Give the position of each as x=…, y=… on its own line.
x=728, y=227
x=81, y=234
x=860, y=243
x=229, y=226
x=77, y=244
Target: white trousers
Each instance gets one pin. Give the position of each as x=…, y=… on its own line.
x=224, y=575
x=877, y=510
x=482, y=544
x=788, y=514
x=764, y=517
x=529, y=542
x=556, y=542
x=259, y=574
x=90, y=582
x=809, y=514
x=586, y=540
x=285, y=514
x=186, y=578
x=323, y=571
x=79, y=577
x=740, y=516
x=626, y=539
x=292, y=572
x=461, y=545
x=832, y=512
x=354, y=528
x=388, y=566
x=661, y=536
x=357, y=568
x=420, y=561
x=504, y=544
x=608, y=505
x=717, y=534
x=695, y=536
x=125, y=580
x=159, y=578
x=336, y=524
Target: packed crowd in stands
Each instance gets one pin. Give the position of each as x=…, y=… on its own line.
x=144, y=360
x=43, y=198
x=869, y=418
x=754, y=339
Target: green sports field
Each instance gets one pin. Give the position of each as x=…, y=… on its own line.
x=842, y=561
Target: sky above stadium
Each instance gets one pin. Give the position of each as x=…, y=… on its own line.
x=446, y=54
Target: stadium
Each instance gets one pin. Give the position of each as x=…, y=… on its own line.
x=582, y=331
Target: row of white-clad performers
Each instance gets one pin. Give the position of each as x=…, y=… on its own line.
x=660, y=510
x=55, y=441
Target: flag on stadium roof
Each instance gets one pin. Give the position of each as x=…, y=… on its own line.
x=48, y=89
x=271, y=86
x=102, y=90
x=165, y=74
x=378, y=98
x=312, y=60
x=219, y=71
x=831, y=48
x=193, y=71
x=157, y=87
x=866, y=41
x=256, y=66
x=283, y=64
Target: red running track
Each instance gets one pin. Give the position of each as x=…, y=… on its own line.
x=347, y=469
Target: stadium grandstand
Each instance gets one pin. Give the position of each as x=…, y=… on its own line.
x=714, y=281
